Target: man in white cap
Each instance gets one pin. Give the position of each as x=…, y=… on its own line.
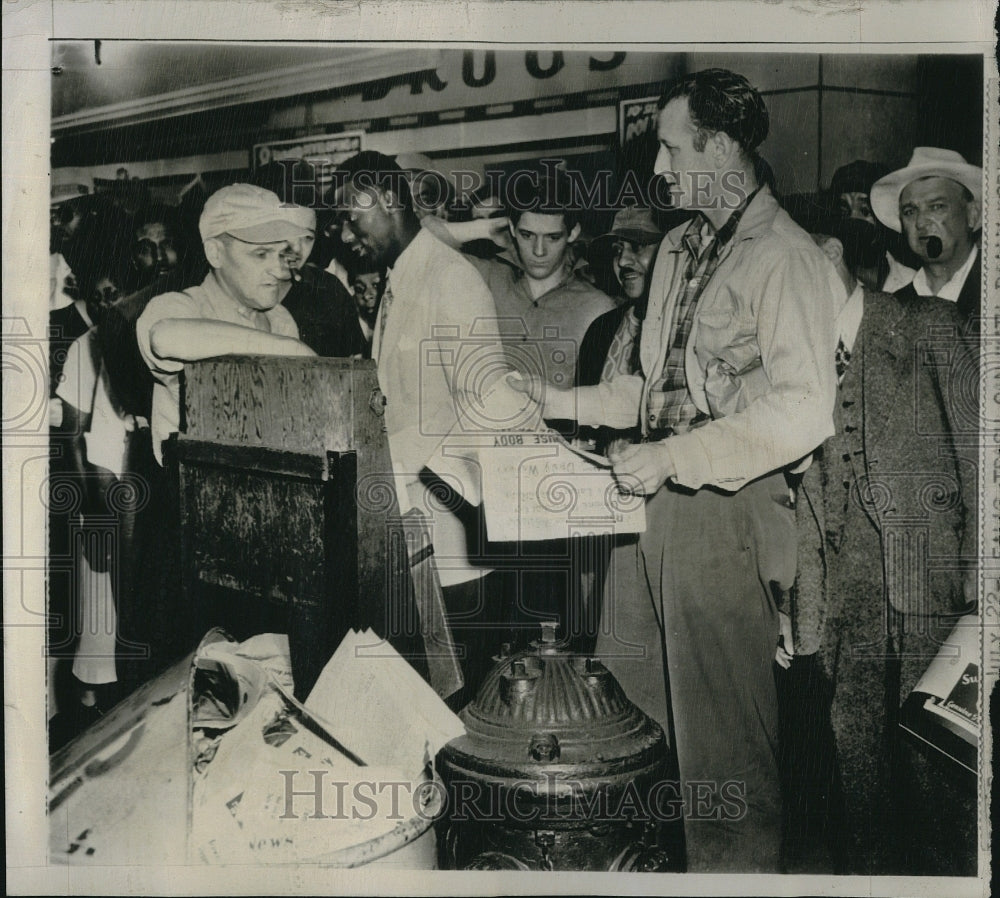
x=935, y=201
x=250, y=239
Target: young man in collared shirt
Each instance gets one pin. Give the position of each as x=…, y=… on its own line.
x=737, y=384
x=544, y=305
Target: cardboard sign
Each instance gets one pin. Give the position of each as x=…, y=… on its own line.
x=537, y=487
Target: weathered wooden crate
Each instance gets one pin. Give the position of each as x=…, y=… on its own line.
x=287, y=498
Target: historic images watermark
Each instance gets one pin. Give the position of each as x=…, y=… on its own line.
x=550, y=186
x=548, y=800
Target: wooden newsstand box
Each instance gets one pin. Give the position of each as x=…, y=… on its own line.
x=286, y=498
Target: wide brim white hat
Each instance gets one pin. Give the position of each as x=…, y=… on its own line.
x=926, y=162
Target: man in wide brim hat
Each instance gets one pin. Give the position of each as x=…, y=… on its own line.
x=926, y=162
x=935, y=201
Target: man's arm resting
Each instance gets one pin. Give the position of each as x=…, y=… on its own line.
x=193, y=339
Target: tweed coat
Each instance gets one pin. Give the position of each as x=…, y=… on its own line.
x=906, y=422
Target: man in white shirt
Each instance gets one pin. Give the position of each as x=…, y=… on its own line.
x=438, y=352
x=250, y=238
x=936, y=201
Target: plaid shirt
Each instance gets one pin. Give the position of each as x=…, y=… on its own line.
x=670, y=408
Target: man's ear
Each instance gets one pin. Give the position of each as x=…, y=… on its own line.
x=213, y=251
x=574, y=233
x=722, y=147
x=387, y=200
x=973, y=215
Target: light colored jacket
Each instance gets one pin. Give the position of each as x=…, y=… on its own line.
x=760, y=358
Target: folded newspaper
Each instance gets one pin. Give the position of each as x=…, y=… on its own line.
x=372, y=701
x=288, y=782
x=943, y=710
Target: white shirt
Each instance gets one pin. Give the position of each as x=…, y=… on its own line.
x=59, y=271
x=849, y=319
x=209, y=301
x=87, y=387
x=899, y=275
x=438, y=351
x=953, y=288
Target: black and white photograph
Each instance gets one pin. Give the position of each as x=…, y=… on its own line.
x=500, y=447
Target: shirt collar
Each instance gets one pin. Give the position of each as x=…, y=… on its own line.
x=398, y=270
x=571, y=267
x=755, y=211
x=81, y=308
x=953, y=288
x=218, y=297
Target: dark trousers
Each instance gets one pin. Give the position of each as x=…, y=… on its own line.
x=896, y=809
x=479, y=615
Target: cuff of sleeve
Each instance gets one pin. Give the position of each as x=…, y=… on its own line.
x=614, y=403
x=561, y=404
x=690, y=461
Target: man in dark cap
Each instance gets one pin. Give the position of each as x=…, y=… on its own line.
x=635, y=238
x=851, y=187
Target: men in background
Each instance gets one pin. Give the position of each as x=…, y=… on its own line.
x=635, y=237
x=935, y=201
x=157, y=264
x=321, y=306
x=64, y=215
x=157, y=249
x=876, y=619
x=368, y=285
x=430, y=333
x=851, y=188
x=737, y=385
x=543, y=303
x=249, y=236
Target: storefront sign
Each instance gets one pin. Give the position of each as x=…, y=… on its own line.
x=331, y=149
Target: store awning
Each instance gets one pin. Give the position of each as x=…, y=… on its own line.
x=347, y=66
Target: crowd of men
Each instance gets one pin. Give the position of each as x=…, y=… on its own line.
x=758, y=370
